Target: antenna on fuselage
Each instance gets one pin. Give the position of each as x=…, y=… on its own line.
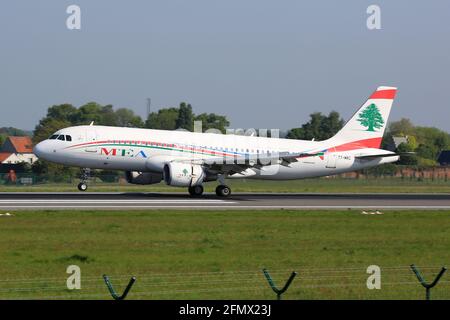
x=91, y=124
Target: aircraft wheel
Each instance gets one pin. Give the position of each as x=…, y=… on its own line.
x=223, y=191
x=196, y=190
x=82, y=186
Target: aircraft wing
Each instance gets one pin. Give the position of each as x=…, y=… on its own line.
x=240, y=163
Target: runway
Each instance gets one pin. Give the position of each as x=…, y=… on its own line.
x=120, y=201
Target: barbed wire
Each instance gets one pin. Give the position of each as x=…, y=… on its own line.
x=187, y=274
x=221, y=281
x=76, y=295
x=308, y=278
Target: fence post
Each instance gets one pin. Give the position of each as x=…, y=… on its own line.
x=427, y=286
x=279, y=292
x=113, y=292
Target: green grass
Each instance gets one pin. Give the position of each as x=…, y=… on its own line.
x=220, y=254
x=332, y=185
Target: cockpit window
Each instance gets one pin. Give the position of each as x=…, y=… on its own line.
x=60, y=137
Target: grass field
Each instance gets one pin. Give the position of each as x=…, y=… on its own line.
x=219, y=255
x=332, y=185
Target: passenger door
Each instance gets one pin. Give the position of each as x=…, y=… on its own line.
x=91, y=137
x=331, y=159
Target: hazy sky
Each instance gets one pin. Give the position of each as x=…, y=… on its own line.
x=265, y=64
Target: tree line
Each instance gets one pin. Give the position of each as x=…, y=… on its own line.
x=66, y=115
x=425, y=142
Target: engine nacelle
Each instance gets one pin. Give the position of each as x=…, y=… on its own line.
x=136, y=177
x=179, y=174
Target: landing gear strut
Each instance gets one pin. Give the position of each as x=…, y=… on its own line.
x=85, y=173
x=196, y=190
x=223, y=190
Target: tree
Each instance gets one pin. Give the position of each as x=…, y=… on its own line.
x=212, y=121
x=164, y=119
x=185, y=117
x=11, y=131
x=403, y=127
x=441, y=142
x=91, y=111
x=406, y=159
x=127, y=118
x=426, y=151
x=2, y=139
x=319, y=127
x=371, y=118
x=52, y=171
x=48, y=126
x=66, y=115
x=332, y=124
x=66, y=112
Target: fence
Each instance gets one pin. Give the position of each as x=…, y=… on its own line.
x=397, y=282
x=401, y=172
x=26, y=179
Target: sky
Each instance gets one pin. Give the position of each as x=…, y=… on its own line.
x=264, y=64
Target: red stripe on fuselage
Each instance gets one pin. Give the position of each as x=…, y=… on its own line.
x=360, y=144
x=384, y=94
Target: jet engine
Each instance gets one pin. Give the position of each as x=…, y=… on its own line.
x=179, y=174
x=135, y=177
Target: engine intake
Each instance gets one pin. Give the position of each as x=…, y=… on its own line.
x=183, y=174
x=135, y=177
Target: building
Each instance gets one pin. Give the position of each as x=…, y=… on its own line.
x=444, y=158
x=399, y=140
x=16, y=150
x=393, y=144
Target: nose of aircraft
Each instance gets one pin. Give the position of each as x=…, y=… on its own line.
x=41, y=150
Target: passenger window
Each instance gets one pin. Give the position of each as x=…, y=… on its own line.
x=68, y=138
x=61, y=137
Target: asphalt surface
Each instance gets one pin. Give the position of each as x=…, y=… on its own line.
x=118, y=201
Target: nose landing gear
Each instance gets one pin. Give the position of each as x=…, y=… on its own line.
x=84, y=177
x=82, y=186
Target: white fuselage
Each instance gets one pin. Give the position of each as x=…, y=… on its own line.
x=147, y=150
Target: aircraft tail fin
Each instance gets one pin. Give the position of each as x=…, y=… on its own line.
x=366, y=127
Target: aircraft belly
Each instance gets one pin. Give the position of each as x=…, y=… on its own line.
x=296, y=170
x=307, y=168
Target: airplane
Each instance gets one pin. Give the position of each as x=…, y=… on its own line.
x=189, y=159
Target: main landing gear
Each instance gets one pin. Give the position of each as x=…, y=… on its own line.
x=196, y=191
x=223, y=190
x=85, y=173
